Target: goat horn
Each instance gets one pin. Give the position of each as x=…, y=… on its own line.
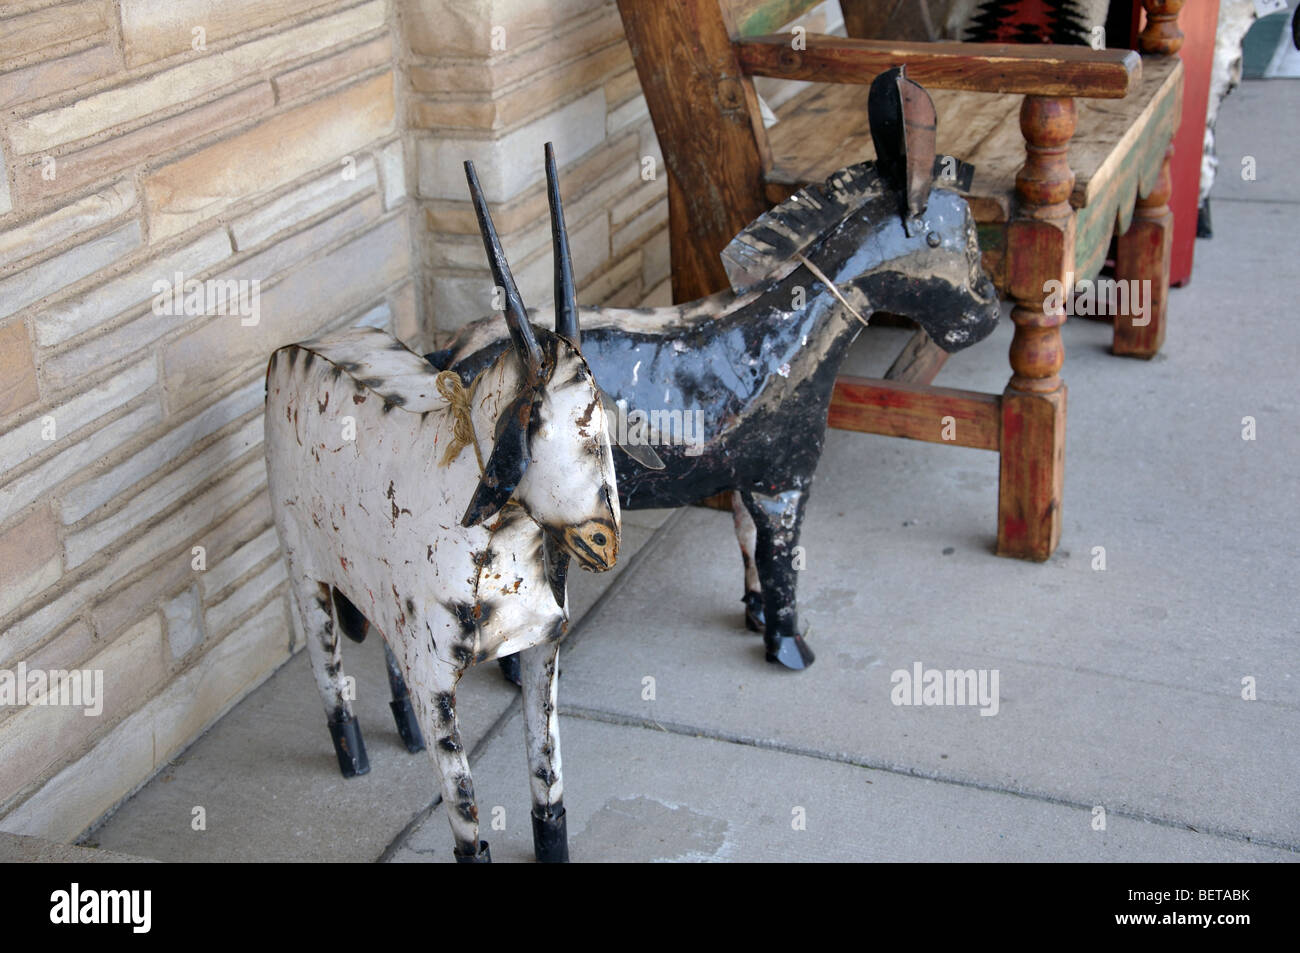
x=521, y=332
x=566, y=295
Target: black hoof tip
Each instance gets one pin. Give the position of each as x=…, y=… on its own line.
x=407, y=727
x=551, y=838
x=350, y=747
x=1204, y=228
x=484, y=856
x=754, y=620
x=510, y=670
x=792, y=652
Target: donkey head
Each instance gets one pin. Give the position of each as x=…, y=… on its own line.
x=929, y=266
x=886, y=230
x=551, y=452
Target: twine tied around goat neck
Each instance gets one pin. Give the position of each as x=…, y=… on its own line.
x=458, y=397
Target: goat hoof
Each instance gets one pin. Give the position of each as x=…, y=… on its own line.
x=510, y=670
x=349, y=746
x=408, y=729
x=754, y=621
x=792, y=652
x=484, y=856
x=551, y=838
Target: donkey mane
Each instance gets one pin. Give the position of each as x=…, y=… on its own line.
x=760, y=254
x=771, y=241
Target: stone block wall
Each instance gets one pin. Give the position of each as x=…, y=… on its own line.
x=243, y=141
x=307, y=155
x=492, y=81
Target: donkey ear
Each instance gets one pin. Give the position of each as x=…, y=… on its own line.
x=954, y=173
x=903, y=120
x=506, y=466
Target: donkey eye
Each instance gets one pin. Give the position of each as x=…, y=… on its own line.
x=933, y=240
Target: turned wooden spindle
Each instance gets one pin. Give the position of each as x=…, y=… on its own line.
x=1142, y=254
x=1043, y=188
x=1155, y=205
x=1045, y=180
x=1032, y=469
x=1161, y=34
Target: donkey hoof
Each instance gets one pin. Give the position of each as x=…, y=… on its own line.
x=792, y=652
x=407, y=727
x=754, y=621
x=551, y=838
x=349, y=746
x=510, y=670
x=484, y=856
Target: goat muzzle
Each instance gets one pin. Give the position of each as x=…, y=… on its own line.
x=594, y=544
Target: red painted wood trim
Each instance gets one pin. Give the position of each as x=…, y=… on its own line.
x=916, y=411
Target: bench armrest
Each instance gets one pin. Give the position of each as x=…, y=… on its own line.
x=1030, y=69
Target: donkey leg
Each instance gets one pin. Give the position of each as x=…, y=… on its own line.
x=747, y=536
x=777, y=520
x=509, y=665
x=320, y=624
x=408, y=728
x=542, y=737
x=435, y=707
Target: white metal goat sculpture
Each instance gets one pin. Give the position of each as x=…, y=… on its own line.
x=369, y=479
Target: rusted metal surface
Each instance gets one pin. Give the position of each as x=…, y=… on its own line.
x=743, y=379
x=445, y=517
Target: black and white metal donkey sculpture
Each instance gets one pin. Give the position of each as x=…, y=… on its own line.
x=372, y=456
x=757, y=364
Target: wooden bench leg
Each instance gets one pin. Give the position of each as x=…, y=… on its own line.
x=1040, y=249
x=919, y=362
x=1032, y=475
x=1144, y=256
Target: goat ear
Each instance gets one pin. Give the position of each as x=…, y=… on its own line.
x=506, y=466
x=556, y=563
x=903, y=122
x=644, y=455
x=637, y=448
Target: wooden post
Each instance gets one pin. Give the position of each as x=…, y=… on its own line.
x=1040, y=246
x=706, y=116
x=700, y=102
x=1143, y=254
x=1199, y=24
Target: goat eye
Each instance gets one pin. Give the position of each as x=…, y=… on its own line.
x=933, y=240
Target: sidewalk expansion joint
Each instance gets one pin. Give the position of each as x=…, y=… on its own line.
x=1259, y=201
x=907, y=771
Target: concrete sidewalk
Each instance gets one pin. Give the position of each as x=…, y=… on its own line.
x=1120, y=690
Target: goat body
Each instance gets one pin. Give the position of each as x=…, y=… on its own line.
x=356, y=431
x=368, y=508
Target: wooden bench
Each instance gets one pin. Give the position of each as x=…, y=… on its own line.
x=1071, y=146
